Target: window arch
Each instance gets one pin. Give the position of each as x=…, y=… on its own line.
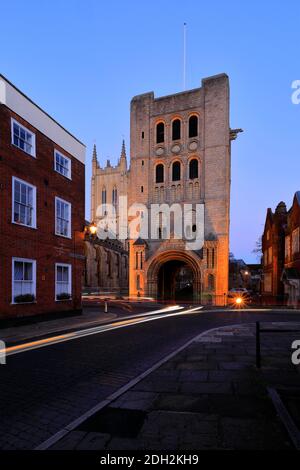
x=114, y=196
x=211, y=282
x=193, y=169
x=137, y=260
x=193, y=126
x=176, y=171
x=176, y=129
x=109, y=264
x=160, y=133
x=159, y=173
x=103, y=196
x=103, y=200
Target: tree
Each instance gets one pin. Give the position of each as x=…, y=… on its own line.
x=258, y=248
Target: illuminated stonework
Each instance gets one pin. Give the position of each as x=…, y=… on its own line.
x=179, y=153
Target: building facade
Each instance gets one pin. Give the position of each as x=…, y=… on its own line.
x=180, y=151
x=273, y=254
x=109, y=184
x=291, y=273
x=42, y=171
x=106, y=267
x=281, y=254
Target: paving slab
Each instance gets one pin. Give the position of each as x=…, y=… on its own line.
x=210, y=396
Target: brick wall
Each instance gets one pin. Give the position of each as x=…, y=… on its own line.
x=40, y=244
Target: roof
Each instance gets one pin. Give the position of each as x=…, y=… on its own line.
x=140, y=242
x=22, y=105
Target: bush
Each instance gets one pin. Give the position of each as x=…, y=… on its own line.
x=63, y=296
x=23, y=298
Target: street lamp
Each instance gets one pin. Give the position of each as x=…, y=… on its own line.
x=92, y=228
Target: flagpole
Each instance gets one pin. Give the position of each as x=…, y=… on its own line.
x=184, y=56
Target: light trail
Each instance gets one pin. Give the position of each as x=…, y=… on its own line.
x=42, y=343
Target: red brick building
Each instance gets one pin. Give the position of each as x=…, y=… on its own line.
x=291, y=272
x=42, y=171
x=281, y=254
x=273, y=254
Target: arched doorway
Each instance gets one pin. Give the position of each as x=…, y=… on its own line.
x=175, y=281
x=174, y=275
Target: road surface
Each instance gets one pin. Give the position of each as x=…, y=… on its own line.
x=44, y=389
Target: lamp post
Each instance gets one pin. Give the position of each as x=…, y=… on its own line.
x=92, y=228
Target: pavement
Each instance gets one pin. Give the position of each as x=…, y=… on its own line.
x=208, y=396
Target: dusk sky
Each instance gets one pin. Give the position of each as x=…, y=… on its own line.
x=82, y=61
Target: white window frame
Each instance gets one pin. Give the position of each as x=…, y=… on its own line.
x=14, y=180
x=70, y=220
x=69, y=175
x=23, y=260
x=69, y=266
x=33, y=146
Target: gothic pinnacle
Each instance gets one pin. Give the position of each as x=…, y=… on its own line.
x=123, y=151
x=95, y=153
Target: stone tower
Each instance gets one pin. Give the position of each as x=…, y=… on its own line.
x=108, y=184
x=180, y=153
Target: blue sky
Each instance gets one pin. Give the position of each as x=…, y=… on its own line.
x=82, y=61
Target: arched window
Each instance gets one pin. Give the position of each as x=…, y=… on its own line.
x=160, y=133
x=176, y=171
x=176, y=128
x=103, y=196
x=193, y=126
x=193, y=169
x=211, y=282
x=125, y=267
x=159, y=173
x=114, y=196
x=109, y=264
x=103, y=200
x=213, y=258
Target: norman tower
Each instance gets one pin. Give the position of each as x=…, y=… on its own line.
x=180, y=152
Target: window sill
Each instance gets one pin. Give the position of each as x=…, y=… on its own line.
x=68, y=237
x=24, y=303
x=69, y=178
x=24, y=225
x=63, y=300
x=24, y=151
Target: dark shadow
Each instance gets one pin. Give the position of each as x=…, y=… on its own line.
x=175, y=281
